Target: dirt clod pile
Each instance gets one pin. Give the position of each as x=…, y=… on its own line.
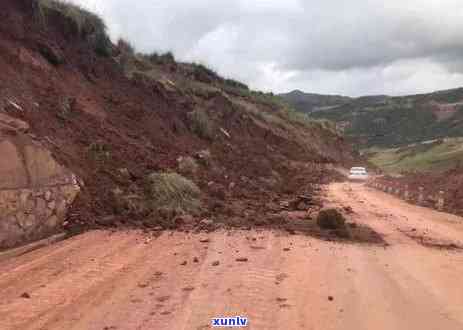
x=331, y=219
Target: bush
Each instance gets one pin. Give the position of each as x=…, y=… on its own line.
x=166, y=58
x=125, y=47
x=236, y=84
x=99, y=151
x=187, y=165
x=85, y=23
x=101, y=44
x=201, y=124
x=123, y=203
x=204, y=74
x=173, y=191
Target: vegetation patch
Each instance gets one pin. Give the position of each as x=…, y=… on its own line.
x=159, y=59
x=99, y=151
x=203, y=73
x=236, y=84
x=187, y=165
x=125, y=47
x=84, y=23
x=201, y=124
x=173, y=191
x=436, y=156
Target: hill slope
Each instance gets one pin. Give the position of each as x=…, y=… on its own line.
x=309, y=102
x=123, y=121
x=436, y=155
x=384, y=121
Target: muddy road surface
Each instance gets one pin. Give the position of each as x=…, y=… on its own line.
x=130, y=280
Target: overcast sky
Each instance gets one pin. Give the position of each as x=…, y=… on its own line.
x=352, y=47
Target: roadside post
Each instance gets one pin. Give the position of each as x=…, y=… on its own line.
x=420, y=195
x=406, y=193
x=440, y=200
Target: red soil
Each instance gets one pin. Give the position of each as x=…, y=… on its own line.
x=87, y=102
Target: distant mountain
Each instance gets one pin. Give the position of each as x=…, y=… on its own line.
x=384, y=121
x=308, y=102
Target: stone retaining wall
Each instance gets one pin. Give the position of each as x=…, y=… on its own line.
x=32, y=214
x=35, y=191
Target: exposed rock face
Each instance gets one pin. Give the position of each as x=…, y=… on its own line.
x=35, y=191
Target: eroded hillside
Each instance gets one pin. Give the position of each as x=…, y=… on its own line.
x=126, y=124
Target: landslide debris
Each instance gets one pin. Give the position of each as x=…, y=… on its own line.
x=155, y=142
x=331, y=219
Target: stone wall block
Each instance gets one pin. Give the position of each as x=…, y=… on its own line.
x=53, y=222
x=30, y=205
x=24, y=197
x=51, y=205
x=10, y=232
x=39, y=193
x=25, y=221
x=48, y=213
x=12, y=171
x=48, y=195
x=40, y=206
x=61, y=208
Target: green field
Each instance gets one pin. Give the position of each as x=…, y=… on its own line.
x=438, y=156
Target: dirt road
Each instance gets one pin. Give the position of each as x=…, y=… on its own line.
x=129, y=280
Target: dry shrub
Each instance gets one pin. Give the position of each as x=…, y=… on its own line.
x=173, y=191
x=187, y=165
x=330, y=219
x=201, y=124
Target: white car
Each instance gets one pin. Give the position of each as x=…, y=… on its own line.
x=358, y=174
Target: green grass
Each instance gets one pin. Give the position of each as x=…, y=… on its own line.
x=436, y=157
x=85, y=23
x=160, y=59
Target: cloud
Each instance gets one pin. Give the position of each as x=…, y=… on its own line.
x=329, y=46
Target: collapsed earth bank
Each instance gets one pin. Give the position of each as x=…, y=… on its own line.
x=93, y=134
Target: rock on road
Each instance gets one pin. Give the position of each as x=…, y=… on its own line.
x=129, y=280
